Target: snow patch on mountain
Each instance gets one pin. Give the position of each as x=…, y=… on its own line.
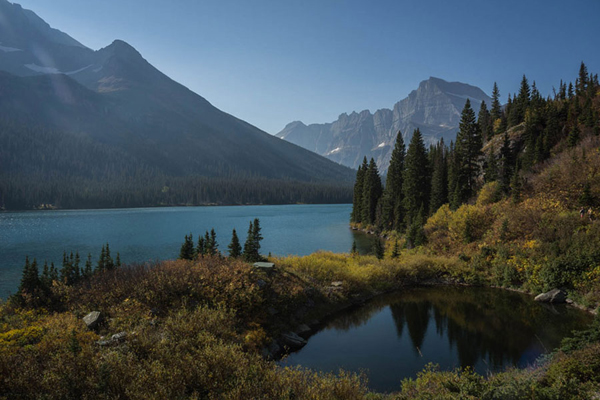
x=336, y=150
x=52, y=70
x=43, y=70
x=9, y=49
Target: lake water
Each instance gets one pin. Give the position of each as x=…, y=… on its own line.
x=148, y=234
x=394, y=336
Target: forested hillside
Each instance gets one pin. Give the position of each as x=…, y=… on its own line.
x=81, y=128
x=516, y=195
x=41, y=167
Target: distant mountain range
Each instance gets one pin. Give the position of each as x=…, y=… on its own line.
x=435, y=108
x=113, y=98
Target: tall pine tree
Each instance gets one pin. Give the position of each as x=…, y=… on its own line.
x=439, y=176
x=372, y=191
x=357, y=200
x=235, y=249
x=392, y=207
x=417, y=181
x=467, y=153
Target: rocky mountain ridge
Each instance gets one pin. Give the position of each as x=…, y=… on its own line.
x=434, y=108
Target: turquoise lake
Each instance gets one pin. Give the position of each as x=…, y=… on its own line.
x=148, y=234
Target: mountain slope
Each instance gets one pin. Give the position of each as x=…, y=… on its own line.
x=434, y=108
x=114, y=97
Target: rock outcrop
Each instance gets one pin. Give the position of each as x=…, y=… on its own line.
x=553, y=296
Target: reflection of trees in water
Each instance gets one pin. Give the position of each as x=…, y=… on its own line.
x=484, y=324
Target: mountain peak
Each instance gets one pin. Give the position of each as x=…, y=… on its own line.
x=121, y=47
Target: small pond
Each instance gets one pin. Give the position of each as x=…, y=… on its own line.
x=394, y=336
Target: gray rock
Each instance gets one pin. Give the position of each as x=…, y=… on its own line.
x=261, y=284
x=292, y=340
x=337, y=283
x=114, y=339
x=553, y=296
x=93, y=319
x=303, y=330
x=118, y=337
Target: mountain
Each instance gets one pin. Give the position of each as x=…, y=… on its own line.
x=434, y=108
x=115, y=99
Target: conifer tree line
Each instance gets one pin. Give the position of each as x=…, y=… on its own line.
x=35, y=287
x=515, y=137
x=207, y=245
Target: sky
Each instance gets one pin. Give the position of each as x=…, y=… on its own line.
x=271, y=62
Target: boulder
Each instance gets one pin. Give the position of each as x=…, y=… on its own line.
x=292, y=340
x=337, y=283
x=93, y=319
x=553, y=296
x=303, y=330
x=118, y=337
x=114, y=339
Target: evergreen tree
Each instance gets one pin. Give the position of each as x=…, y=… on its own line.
x=573, y=137
x=468, y=151
x=582, y=82
x=53, y=272
x=252, y=245
x=378, y=249
x=256, y=235
x=357, y=200
x=101, y=266
x=496, y=111
x=522, y=101
x=110, y=264
x=372, y=191
x=207, y=244
x=118, y=260
x=396, y=250
x=354, y=250
x=87, y=271
x=417, y=182
x=484, y=119
x=187, y=248
x=45, y=278
x=30, y=280
x=416, y=235
x=570, y=91
x=201, y=247
x=67, y=273
x=235, y=249
x=392, y=200
x=214, y=246
x=439, y=176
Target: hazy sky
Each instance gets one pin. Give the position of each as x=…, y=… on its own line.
x=275, y=61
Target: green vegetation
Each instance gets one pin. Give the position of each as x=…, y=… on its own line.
x=198, y=327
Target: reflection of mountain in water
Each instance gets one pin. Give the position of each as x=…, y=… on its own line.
x=496, y=326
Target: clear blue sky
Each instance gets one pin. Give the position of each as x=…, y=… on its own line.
x=275, y=61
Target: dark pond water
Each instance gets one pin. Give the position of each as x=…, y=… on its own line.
x=147, y=234
x=394, y=336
